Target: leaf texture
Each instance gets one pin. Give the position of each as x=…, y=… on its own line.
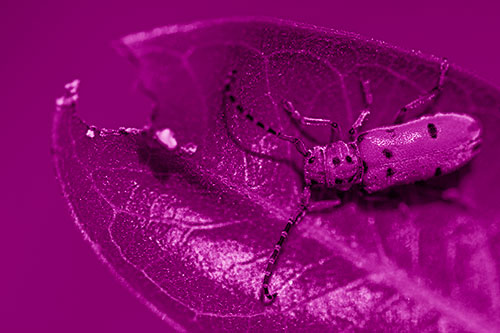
x=190, y=230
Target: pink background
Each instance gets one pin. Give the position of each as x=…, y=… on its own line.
x=51, y=279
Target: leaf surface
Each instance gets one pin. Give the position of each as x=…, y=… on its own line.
x=190, y=230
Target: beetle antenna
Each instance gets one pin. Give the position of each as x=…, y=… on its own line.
x=266, y=297
x=299, y=145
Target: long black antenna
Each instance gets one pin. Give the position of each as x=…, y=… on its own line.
x=266, y=297
x=301, y=147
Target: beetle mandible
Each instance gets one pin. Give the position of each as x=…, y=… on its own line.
x=376, y=159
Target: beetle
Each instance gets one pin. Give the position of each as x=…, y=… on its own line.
x=376, y=159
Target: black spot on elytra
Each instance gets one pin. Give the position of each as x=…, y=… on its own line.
x=387, y=153
x=270, y=130
x=338, y=181
x=431, y=128
x=365, y=167
x=348, y=159
x=232, y=98
x=239, y=108
x=390, y=172
x=336, y=161
x=311, y=160
x=438, y=172
x=261, y=125
x=249, y=117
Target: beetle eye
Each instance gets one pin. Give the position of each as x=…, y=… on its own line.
x=336, y=161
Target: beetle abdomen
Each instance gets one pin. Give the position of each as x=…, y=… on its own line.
x=417, y=150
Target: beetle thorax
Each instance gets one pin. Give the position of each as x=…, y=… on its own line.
x=336, y=165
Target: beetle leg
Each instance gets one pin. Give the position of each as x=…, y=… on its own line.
x=426, y=98
x=266, y=297
x=299, y=145
x=368, y=99
x=308, y=121
x=353, y=132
